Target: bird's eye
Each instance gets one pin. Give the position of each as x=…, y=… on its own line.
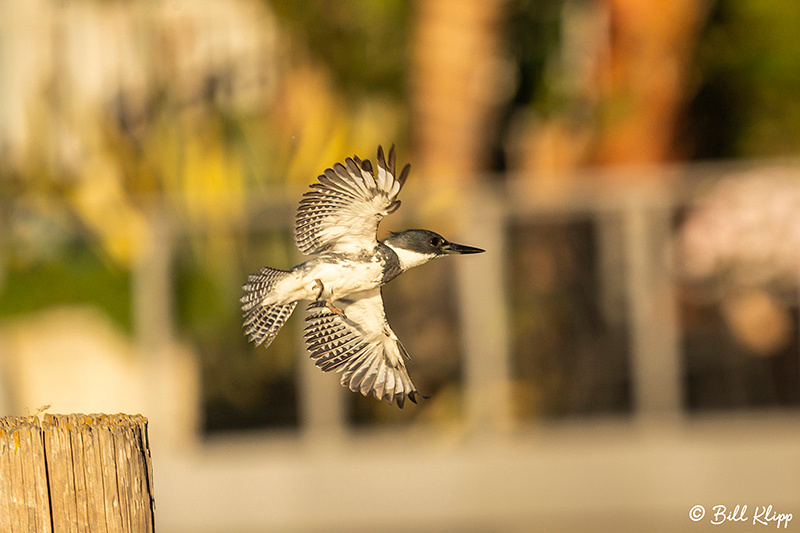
x=436, y=241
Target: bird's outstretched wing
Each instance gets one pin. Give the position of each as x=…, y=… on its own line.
x=342, y=212
x=362, y=347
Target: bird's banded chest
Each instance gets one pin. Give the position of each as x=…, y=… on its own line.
x=341, y=275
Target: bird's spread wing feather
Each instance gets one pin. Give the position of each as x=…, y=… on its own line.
x=362, y=347
x=342, y=211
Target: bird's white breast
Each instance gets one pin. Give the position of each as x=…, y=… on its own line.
x=341, y=278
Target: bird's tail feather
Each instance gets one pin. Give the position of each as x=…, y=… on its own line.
x=262, y=322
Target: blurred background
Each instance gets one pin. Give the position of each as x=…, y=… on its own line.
x=627, y=347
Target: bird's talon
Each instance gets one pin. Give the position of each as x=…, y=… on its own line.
x=334, y=309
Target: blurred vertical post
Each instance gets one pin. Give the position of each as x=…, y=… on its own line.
x=153, y=284
x=484, y=318
x=652, y=309
x=152, y=294
x=76, y=473
x=322, y=399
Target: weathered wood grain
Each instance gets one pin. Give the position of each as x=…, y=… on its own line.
x=76, y=473
x=24, y=502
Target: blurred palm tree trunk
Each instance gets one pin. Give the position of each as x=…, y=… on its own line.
x=643, y=80
x=456, y=67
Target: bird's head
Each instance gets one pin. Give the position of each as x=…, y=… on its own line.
x=416, y=247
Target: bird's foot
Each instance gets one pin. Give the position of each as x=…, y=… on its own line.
x=328, y=303
x=318, y=285
x=334, y=309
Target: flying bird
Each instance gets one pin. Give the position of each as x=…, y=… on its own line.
x=337, y=222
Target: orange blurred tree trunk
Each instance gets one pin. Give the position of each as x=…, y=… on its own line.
x=643, y=80
x=456, y=65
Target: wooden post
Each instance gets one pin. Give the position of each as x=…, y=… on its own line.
x=76, y=473
x=24, y=498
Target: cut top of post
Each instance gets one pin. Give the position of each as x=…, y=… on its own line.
x=76, y=472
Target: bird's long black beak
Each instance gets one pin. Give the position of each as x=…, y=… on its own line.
x=453, y=248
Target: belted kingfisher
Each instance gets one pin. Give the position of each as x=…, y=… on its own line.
x=347, y=328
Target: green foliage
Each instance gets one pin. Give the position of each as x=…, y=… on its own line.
x=747, y=76
x=363, y=42
x=533, y=33
x=78, y=276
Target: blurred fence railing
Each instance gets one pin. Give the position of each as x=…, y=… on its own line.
x=633, y=214
x=609, y=474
